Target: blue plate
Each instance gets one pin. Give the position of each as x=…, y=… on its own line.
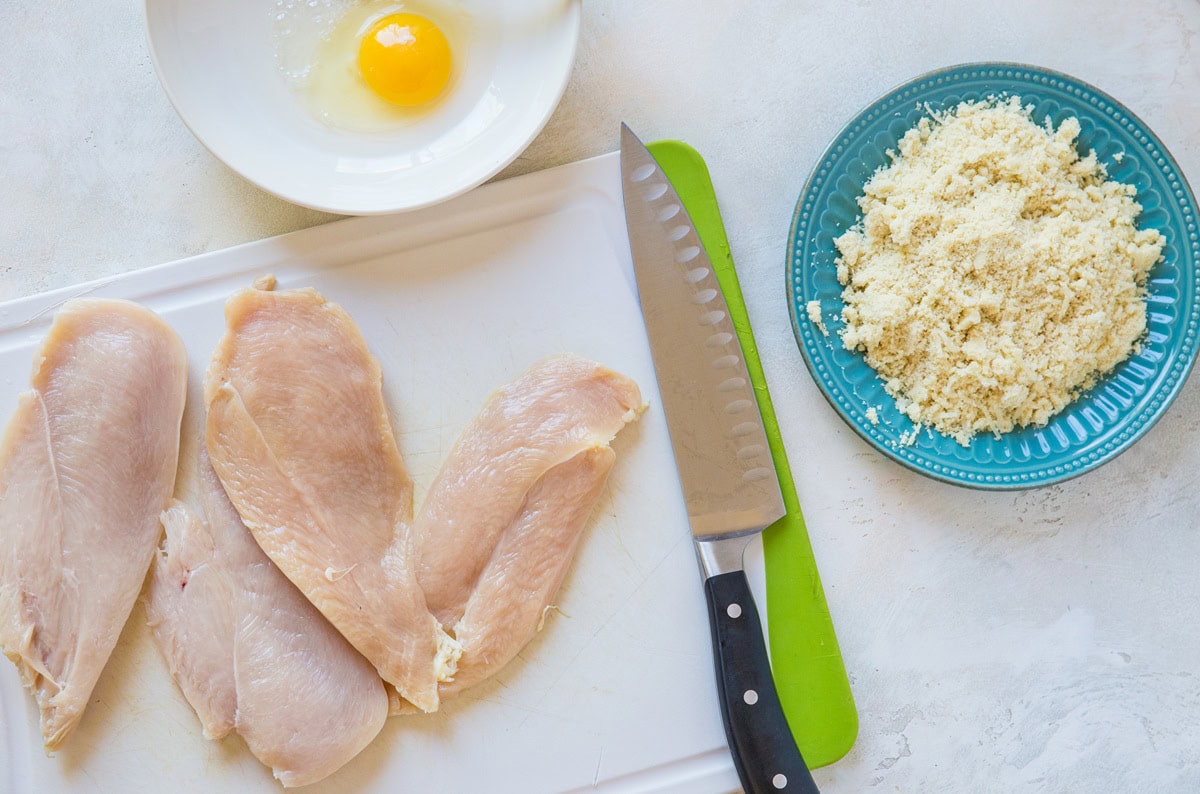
x=1101, y=422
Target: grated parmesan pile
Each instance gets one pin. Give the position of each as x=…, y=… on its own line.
x=994, y=273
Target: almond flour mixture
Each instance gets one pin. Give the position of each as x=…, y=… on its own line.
x=994, y=273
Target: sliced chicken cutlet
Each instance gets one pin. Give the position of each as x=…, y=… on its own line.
x=299, y=435
x=529, y=562
x=500, y=524
x=249, y=652
x=87, y=463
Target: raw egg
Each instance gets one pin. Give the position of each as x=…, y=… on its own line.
x=372, y=66
x=405, y=59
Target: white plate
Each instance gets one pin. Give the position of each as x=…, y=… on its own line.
x=618, y=691
x=217, y=61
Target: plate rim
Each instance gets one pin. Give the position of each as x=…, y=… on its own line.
x=572, y=7
x=790, y=273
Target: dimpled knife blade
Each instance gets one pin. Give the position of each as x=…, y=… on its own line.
x=721, y=450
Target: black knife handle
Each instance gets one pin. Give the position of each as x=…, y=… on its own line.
x=764, y=751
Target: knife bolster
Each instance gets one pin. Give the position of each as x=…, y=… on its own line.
x=722, y=555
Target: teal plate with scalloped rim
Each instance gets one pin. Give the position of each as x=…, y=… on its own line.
x=1100, y=423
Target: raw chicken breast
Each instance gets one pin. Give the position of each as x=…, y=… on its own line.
x=499, y=527
x=528, y=564
x=191, y=606
x=299, y=435
x=87, y=463
x=250, y=653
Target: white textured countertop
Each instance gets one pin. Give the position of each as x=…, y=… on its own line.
x=1037, y=641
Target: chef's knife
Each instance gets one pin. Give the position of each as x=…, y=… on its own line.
x=724, y=460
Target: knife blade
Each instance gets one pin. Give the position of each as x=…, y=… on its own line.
x=726, y=473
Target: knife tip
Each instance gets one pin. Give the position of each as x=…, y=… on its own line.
x=630, y=142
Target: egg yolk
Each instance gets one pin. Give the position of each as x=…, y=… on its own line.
x=405, y=59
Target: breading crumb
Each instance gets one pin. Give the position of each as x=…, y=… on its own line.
x=994, y=273
x=813, y=308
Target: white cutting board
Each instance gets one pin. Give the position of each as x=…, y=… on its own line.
x=617, y=693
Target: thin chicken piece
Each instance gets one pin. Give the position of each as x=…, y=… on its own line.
x=499, y=527
x=250, y=653
x=191, y=606
x=517, y=588
x=87, y=463
x=299, y=434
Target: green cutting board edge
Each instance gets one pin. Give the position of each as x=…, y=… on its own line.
x=807, y=663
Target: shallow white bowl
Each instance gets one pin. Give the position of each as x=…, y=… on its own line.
x=216, y=60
